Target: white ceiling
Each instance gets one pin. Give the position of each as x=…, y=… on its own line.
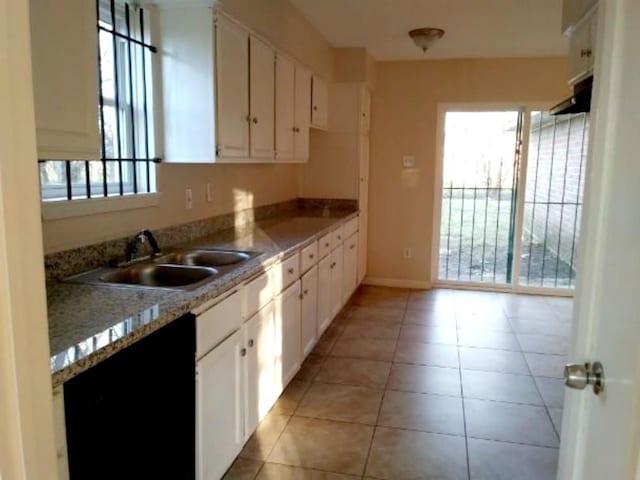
x=474, y=28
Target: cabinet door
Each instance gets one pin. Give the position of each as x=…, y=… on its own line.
x=287, y=347
x=309, y=311
x=578, y=50
x=337, y=262
x=349, y=270
x=285, y=101
x=232, y=89
x=302, y=114
x=220, y=404
x=365, y=111
x=261, y=93
x=65, y=83
x=324, y=294
x=319, y=103
x=260, y=366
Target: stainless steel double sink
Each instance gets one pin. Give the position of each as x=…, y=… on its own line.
x=178, y=269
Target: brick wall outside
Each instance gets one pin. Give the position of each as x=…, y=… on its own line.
x=555, y=182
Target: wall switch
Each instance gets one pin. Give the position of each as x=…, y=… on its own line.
x=209, y=194
x=406, y=253
x=188, y=199
x=408, y=161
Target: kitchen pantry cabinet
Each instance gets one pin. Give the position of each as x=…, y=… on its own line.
x=319, y=103
x=65, y=84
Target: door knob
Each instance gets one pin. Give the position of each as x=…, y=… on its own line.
x=579, y=375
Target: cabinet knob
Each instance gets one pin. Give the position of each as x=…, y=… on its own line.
x=290, y=271
x=243, y=352
x=306, y=292
x=251, y=342
x=311, y=256
x=315, y=107
x=301, y=296
x=327, y=244
x=339, y=237
x=585, y=52
x=254, y=120
x=352, y=247
x=248, y=118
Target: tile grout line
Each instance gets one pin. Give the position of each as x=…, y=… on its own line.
x=546, y=407
x=464, y=415
x=384, y=391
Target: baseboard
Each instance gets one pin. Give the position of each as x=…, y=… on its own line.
x=396, y=282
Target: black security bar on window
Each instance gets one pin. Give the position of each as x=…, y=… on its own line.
x=125, y=157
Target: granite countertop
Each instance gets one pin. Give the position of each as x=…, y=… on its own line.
x=89, y=323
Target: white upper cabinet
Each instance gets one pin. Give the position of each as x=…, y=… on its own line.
x=65, y=83
x=319, y=103
x=582, y=48
x=187, y=59
x=261, y=94
x=302, y=113
x=285, y=108
x=232, y=89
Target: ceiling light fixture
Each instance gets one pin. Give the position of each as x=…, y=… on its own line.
x=425, y=37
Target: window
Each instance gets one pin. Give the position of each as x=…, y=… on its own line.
x=125, y=114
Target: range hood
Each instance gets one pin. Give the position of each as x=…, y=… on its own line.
x=579, y=102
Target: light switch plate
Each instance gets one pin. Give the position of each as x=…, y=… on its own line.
x=408, y=161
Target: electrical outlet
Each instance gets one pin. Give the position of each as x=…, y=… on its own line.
x=406, y=253
x=209, y=194
x=188, y=199
x=408, y=161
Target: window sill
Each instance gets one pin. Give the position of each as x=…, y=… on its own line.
x=92, y=206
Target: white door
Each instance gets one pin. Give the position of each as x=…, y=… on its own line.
x=287, y=347
x=324, y=294
x=261, y=379
x=220, y=407
x=232, y=89
x=309, y=311
x=285, y=100
x=349, y=269
x=600, y=433
x=337, y=262
x=261, y=92
x=302, y=113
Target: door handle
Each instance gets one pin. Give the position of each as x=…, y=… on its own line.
x=580, y=375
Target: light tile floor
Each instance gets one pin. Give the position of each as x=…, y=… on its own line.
x=405, y=384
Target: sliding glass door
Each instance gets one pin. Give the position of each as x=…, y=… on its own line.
x=510, y=202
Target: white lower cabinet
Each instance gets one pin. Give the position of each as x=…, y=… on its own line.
x=309, y=333
x=262, y=390
x=337, y=261
x=220, y=407
x=324, y=294
x=287, y=329
x=350, y=267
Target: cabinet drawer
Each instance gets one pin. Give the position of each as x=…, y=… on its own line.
x=257, y=293
x=218, y=323
x=337, y=237
x=309, y=257
x=350, y=227
x=285, y=273
x=324, y=245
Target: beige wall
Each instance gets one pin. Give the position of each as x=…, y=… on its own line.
x=404, y=122
x=235, y=186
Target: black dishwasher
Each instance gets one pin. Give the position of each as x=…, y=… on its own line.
x=132, y=416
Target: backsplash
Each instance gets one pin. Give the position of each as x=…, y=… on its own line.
x=60, y=265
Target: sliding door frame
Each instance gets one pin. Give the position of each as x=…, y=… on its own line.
x=514, y=287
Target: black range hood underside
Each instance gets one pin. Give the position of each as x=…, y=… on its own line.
x=579, y=102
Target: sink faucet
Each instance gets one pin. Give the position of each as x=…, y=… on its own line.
x=142, y=238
